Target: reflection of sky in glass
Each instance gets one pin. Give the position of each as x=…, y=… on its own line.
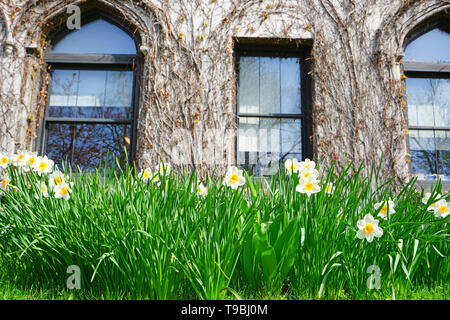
x=96, y=37
x=269, y=85
x=428, y=102
x=433, y=46
x=91, y=94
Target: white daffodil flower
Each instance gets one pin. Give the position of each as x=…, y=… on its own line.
x=329, y=188
x=62, y=191
x=4, y=160
x=146, y=174
x=43, y=165
x=56, y=178
x=307, y=165
x=43, y=190
x=202, y=190
x=4, y=183
x=31, y=161
x=310, y=172
x=427, y=197
x=163, y=169
x=234, y=178
x=292, y=165
x=441, y=209
x=308, y=185
x=368, y=228
x=20, y=159
x=383, y=207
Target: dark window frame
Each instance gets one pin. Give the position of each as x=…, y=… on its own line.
x=107, y=62
x=302, y=52
x=426, y=70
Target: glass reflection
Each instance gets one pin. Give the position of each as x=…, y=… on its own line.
x=430, y=153
x=264, y=144
x=91, y=94
x=87, y=145
x=433, y=46
x=96, y=37
x=428, y=102
x=269, y=85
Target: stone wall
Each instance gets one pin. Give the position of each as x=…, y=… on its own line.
x=188, y=78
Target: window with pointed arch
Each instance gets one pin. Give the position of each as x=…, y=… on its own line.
x=91, y=109
x=427, y=67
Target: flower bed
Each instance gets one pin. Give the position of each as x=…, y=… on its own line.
x=164, y=235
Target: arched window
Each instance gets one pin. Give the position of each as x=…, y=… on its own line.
x=91, y=109
x=427, y=67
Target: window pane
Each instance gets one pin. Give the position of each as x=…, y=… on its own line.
x=443, y=153
x=433, y=46
x=249, y=85
x=87, y=145
x=91, y=94
x=430, y=152
x=96, y=37
x=428, y=102
x=290, y=85
x=265, y=143
x=269, y=85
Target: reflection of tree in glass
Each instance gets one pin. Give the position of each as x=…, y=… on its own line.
x=87, y=145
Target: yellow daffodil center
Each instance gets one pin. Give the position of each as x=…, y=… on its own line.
x=146, y=175
x=306, y=174
x=3, y=160
x=327, y=189
x=199, y=189
x=368, y=228
x=443, y=209
x=64, y=191
x=384, y=209
x=58, y=180
x=31, y=161
x=43, y=188
x=20, y=157
x=4, y=183
x=42, y=166
x=309, y=186
x=156, y=178
x=292, y=167
x=307, y=166
x=234, y=178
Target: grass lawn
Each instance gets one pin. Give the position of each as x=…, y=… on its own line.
x=300, y=234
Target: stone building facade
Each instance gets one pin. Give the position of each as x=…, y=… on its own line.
x=187, y=100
